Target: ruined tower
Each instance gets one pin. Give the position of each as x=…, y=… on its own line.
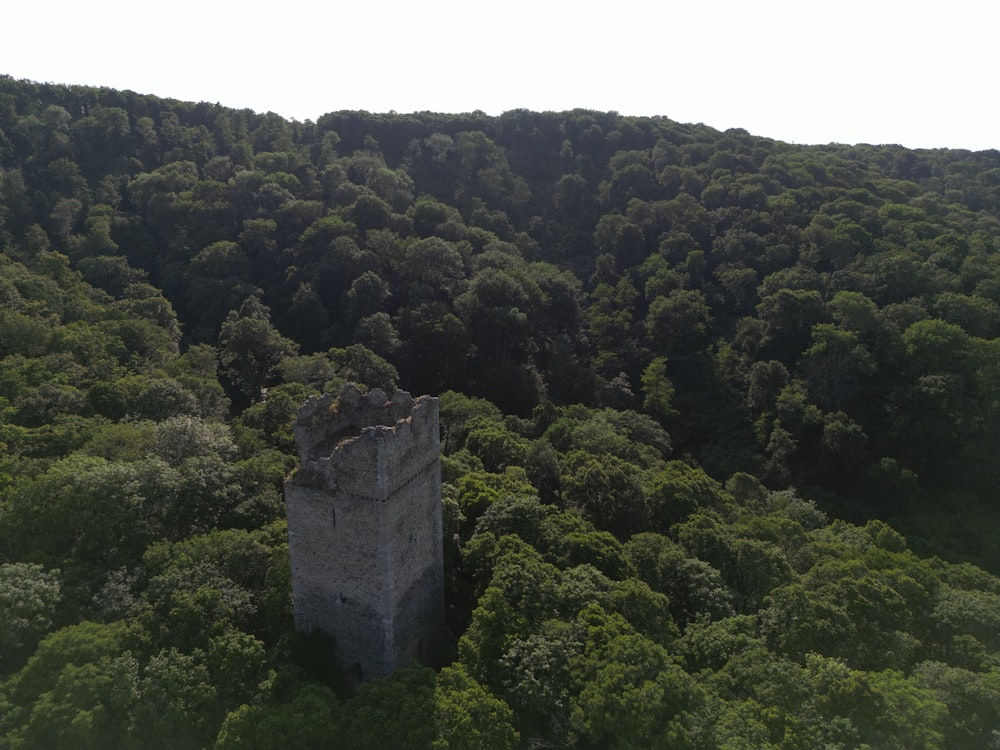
x=364, y=527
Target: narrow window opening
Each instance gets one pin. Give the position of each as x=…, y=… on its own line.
x=333, y=516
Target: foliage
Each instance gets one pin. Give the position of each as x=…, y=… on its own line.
x=719, y=423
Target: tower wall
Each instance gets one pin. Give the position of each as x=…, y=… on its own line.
x=364, y=524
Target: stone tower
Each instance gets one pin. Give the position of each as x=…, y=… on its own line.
x=364, y=527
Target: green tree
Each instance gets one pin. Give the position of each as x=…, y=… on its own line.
x=78, y=690
x=251, y=349
x=468, y=717
x=678, y=322
x=305, y=715
x=399, y=711
x=177, y=705
x=659, y=391
x=29, y=596
x=606, y=490
x=632, y=694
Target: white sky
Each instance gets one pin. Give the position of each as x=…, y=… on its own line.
x=808, y=71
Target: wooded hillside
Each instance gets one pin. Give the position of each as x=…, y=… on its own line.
x=720, y=422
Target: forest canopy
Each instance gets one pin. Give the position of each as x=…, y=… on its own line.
x=719, y=413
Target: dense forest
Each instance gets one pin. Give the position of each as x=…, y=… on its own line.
x=720, y=422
